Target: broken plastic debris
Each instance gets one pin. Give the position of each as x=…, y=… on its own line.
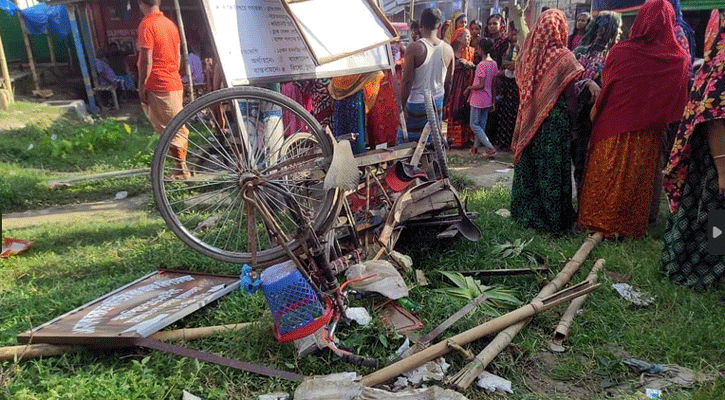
x=359, y=315
x=274, y=396
x=12, y=247
x=633, y=295
x=387, y=280
x=662, y=376
x=403, y=260
x=341, y=386
x=431, y=393
x=652, y=393
x=504, y=213
x=430, y=371
x=402, y=349
x=121, y=195
x=30, y=146
x=492, y=383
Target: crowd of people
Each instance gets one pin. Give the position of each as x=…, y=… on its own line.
x=608, y=111
x=611, y=112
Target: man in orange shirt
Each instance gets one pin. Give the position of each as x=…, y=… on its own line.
x=159, y=83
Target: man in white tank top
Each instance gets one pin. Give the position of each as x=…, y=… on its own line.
x=428, y=66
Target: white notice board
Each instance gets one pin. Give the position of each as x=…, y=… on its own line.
x=257, y=42
x=333, y=29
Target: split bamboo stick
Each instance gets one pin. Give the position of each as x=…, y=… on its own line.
x=468, y=374
x=5, y=72
x=562, y=330
x=42, y=349
x=441, y=348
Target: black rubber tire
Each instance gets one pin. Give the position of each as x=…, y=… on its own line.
x=329, y=201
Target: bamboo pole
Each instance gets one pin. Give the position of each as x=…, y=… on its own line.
x=562, y=330
x=468, y=374
x=5, y=72
x=463, y=338
x=184, y=49
x=28, y=50
x=43, y=349
x=412, y=10
x=51, y=48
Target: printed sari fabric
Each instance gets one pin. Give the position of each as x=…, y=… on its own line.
x=541, y=191
x=544, y=69
x=691, y=179
x=644, y=84
x=382, y=121
x=619, y=179
x=599, y=37
x=459, y=133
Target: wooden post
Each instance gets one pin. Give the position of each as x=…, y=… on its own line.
x=412, y=10
x=184, y=49
x=81, y=57
x=51, y=48
x=5, y=72
x=88, y=39
x=28, y=49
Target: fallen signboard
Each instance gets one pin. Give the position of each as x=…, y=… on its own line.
x=134, y=311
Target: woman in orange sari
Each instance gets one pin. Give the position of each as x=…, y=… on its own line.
x=458, y=130
x=644, y=88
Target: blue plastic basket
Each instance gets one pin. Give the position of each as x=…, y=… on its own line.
x=293, y=302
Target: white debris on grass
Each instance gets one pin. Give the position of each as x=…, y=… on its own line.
x=430, y=371
x=274, y=396
x=121, y=195
x=504, y=213
x=386, y=281
x=359, y=315
x=342, y=386
x=493, y=383
x=633, y=295
x=188, y=396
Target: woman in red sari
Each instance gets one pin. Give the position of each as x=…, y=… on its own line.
x=458, y=130
x=644, y=88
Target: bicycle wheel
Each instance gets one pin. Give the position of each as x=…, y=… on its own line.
x=222, y=163
x=436, y=135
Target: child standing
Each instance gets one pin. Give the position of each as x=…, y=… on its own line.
x=482, y=95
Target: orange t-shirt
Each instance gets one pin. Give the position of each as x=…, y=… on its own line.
x=160, y=35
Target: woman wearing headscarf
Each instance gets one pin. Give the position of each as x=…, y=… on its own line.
x=502, y=121
x=600, y=36
x=545, y=71
x=683, y=31
x=458, y=21
x=496, y=31
x=644, y=88
x=695, y=175
x=580, y=28
x=458, y=130
x=475, y=28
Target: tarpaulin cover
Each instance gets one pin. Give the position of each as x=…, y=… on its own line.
x=41, y=16
x=8, y=6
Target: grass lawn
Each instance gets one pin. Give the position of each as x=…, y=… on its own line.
x=71, y=264
x=62, y=147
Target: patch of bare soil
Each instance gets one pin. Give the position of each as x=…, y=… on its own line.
x=128, y=209
x=538, y=380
